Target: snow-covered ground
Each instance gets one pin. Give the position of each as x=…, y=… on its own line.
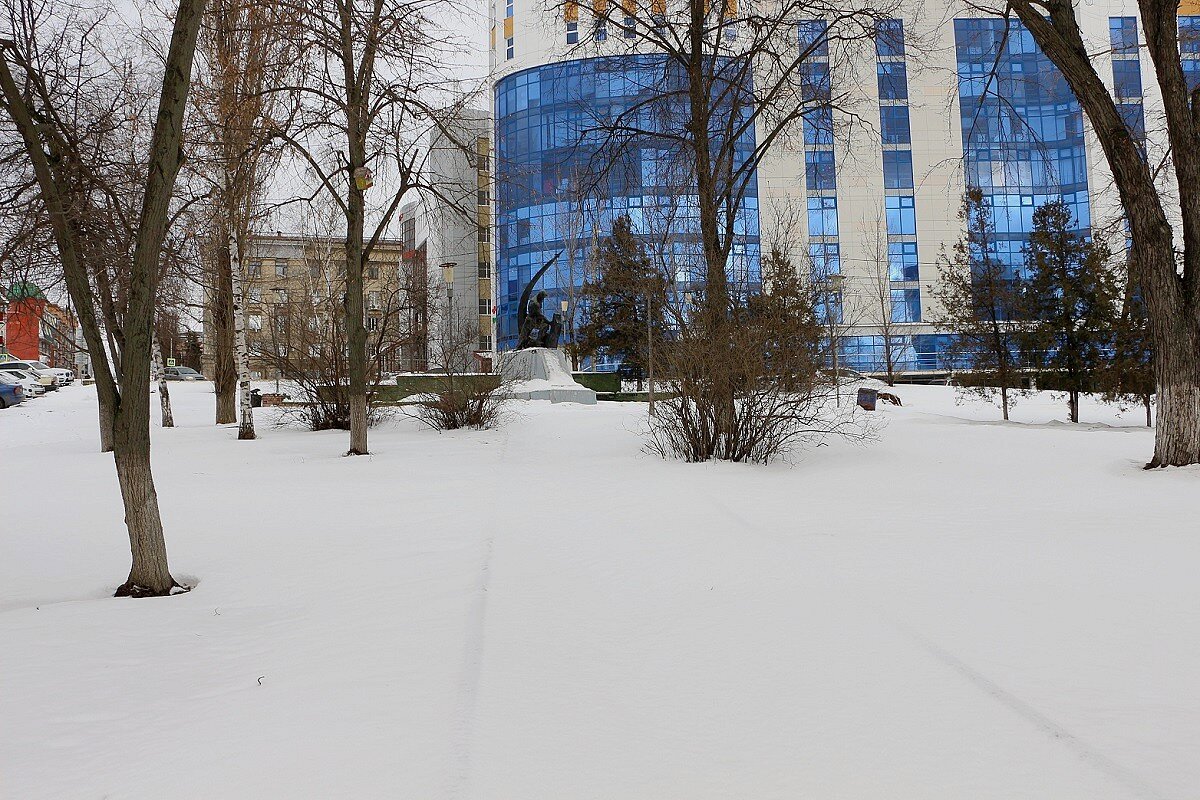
x=961, y=609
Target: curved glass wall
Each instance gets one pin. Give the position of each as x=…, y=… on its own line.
x=1022, y=131
x=562, y=177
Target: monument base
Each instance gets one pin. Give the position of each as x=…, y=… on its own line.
x=539, y=373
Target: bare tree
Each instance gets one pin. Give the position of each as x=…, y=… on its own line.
x=35, y=107
x=1168, y=276
x=373, y=76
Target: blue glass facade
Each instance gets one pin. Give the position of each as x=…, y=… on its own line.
x=549, y=123
x=1022, y=131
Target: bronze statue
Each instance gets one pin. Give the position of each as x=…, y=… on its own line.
x=534, y=328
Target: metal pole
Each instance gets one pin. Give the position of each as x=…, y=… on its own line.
x=649, y=354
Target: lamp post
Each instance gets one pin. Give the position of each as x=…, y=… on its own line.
x=448, y=279
x=834, y=285
x=649, y=344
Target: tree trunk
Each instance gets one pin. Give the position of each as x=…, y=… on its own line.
x=241, y=354
x=225, y=373
x=1177, y=437
x=1004, y=400
x=1146, y=402
x=149, y=575
x=164, y=391
x=106, y=423
x=356, y=332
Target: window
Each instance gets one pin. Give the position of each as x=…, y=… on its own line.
x=889, y=38
x=254, y=294
x=485, y=306
x=255, y=269
x=813, y=37
x=482, y=199
x=906, y=305
x=897, y=169
x=815, y=83
x=373, y=324
x=1135, y=119
x=902, y=261
x=572, y=33
x=829, y=308
x=630, y=28
x=894, y=125
x=485, y=269
x=601, y=33
x=1127, y=78
x=826, y=259
x=373, y=273
x=819, y=170
x=901, y=216
x=822, y=216
x=1123, y=34
x=485, y=342
x=893, y=80
x=373, y=300
x=509, y=50
x=818, y=126
x=484, y=234
x=255, y=322
x=281, y=296
x=281, y=268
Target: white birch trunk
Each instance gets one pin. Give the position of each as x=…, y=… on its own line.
x=241, y=353
x=164, y=392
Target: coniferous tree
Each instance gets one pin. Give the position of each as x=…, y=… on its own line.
x=981, y=304
x=624, y=303
x=1070, y=303
x=1128, y=376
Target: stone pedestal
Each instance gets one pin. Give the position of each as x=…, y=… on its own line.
x=539, y=373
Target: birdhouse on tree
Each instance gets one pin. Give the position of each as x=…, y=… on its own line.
x=363, y=178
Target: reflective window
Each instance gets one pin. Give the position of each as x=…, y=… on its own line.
x=822, y=216
x=889, y=38
x=893, y=80
x=897, y=169
x=902, y=261
x=894, y=125
x=819, y=170
x=901, y=215
x=906, y=305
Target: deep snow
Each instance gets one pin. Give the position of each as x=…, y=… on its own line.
x=962, y=609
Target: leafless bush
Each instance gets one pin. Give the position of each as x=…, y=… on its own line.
x=469, y=399
x=470, y=402
x=752, y=389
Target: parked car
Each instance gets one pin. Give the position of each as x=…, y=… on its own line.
x=35, y=368
x=45, y=380
x=31, y=386
x=182, y=374
x=62, y=376
x=11, y=392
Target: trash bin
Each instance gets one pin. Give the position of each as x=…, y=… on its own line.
x=867, y=398
x=255, y=398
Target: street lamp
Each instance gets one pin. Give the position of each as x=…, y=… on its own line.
x=448, y=279
x=834, y=284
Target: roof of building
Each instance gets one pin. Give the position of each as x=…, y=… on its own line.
x=24, y=290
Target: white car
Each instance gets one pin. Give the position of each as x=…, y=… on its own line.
x=27, y=381
x=61, y=376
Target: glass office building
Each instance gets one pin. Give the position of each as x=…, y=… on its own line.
x=563, y=174
x=957, y=101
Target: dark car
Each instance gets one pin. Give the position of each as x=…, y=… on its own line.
x=11, y=394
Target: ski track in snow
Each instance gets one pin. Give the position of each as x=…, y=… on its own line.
x=1086, y=752
x=459, y=776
